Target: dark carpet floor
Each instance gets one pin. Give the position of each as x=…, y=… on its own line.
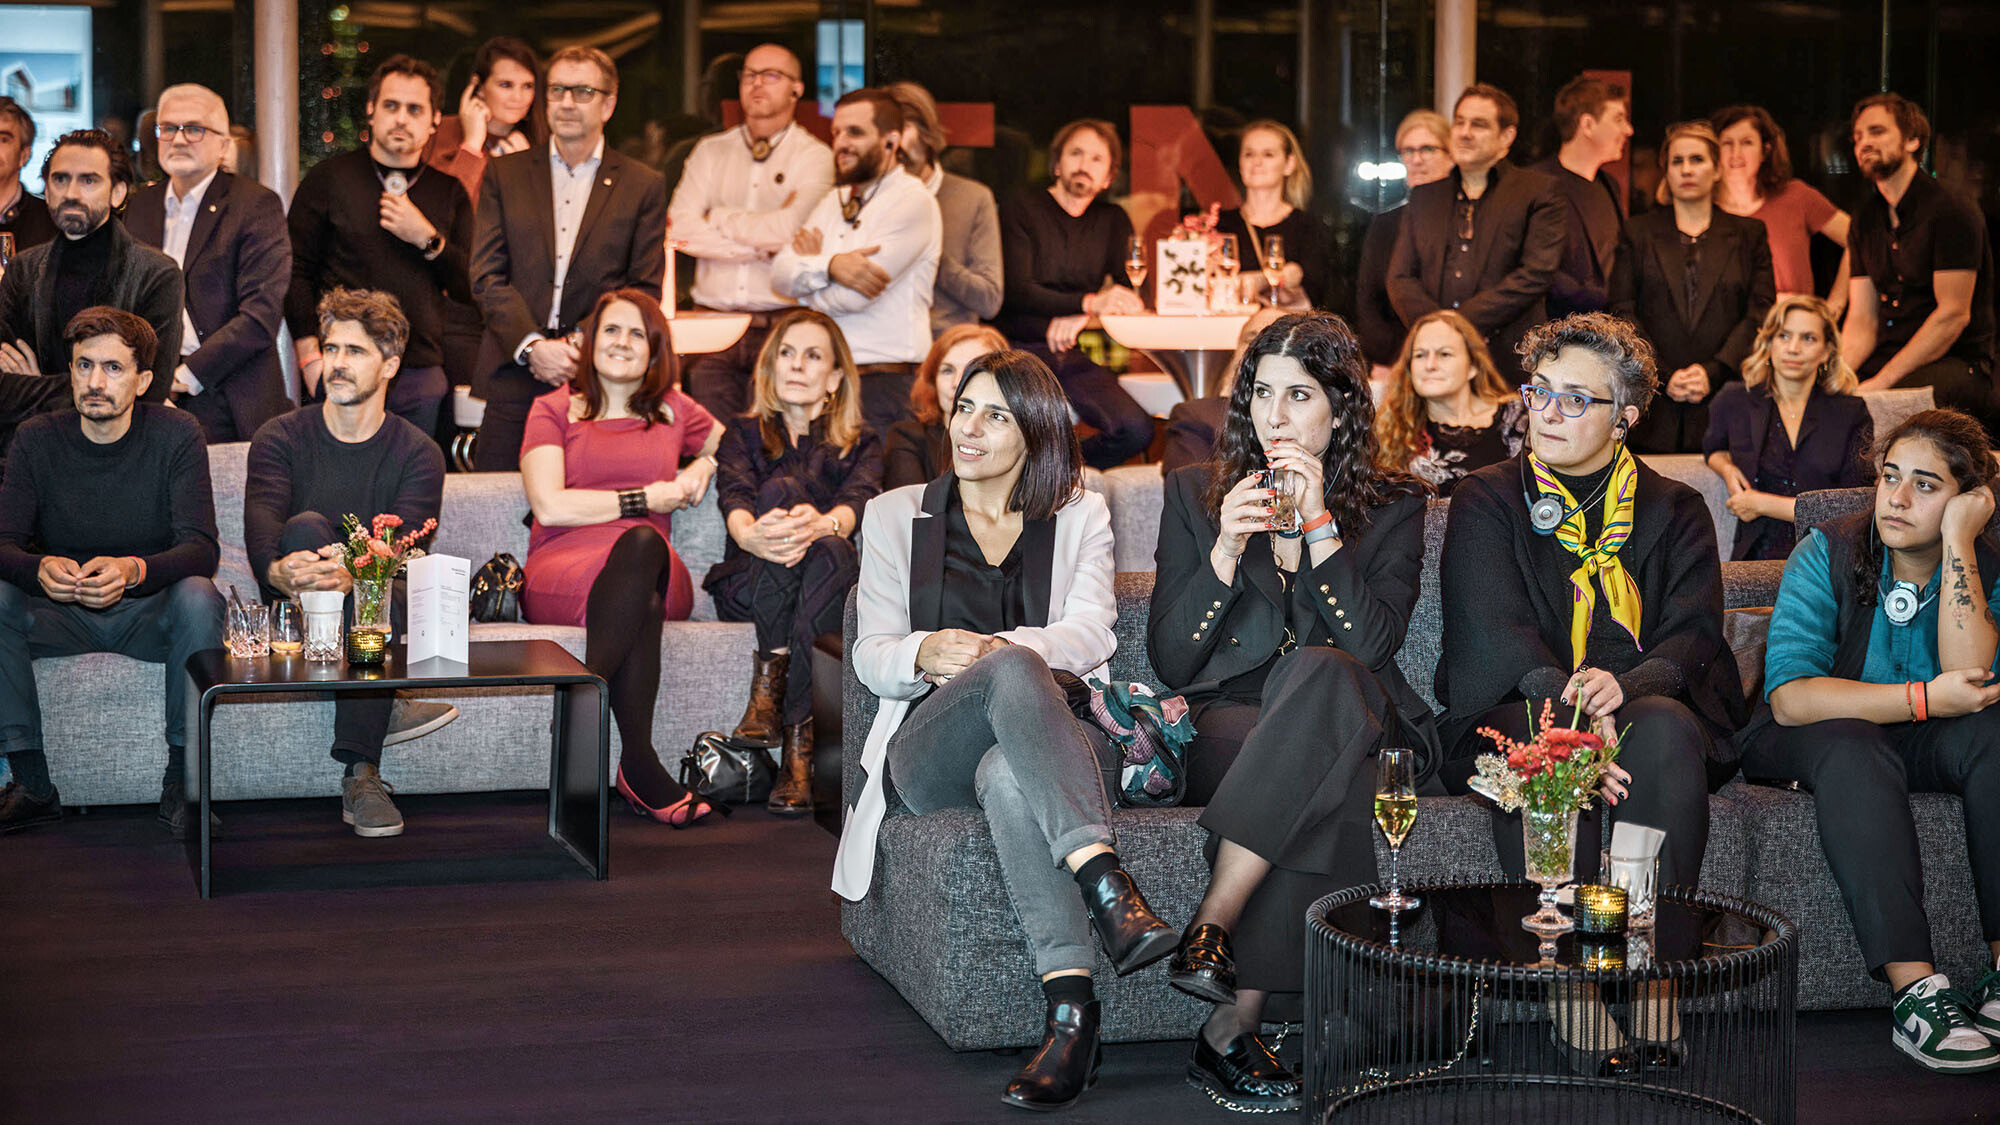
x=705, y=982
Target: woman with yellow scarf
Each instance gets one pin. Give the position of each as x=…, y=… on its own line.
x=1575, y=573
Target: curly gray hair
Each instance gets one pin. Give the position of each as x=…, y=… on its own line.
x=1634, y=375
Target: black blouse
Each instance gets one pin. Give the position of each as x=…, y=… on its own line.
x=914, y=453
x=828, y=476
x=1305, y=243
x=978, y=595
x=1457, y=452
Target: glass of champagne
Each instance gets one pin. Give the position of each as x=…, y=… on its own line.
x=1135, y=261
x=1395, y=813
x=1231, y=265
x=288, y=628
x=1274, y=266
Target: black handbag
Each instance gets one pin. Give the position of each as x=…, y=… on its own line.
x=496, y=590
x=722, y=768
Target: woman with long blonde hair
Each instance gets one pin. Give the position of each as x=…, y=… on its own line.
x=792, y=477
x=1447, y=412
x=1277, y=187
x=1793, y=425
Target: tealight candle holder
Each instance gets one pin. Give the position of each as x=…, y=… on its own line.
x=1600, y=910
x=368, y=647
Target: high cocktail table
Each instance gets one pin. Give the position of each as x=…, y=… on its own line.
x=580, y=743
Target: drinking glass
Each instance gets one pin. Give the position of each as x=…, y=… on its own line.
x=288, y=628
x=1285, y=484
x=6, y=251
x=1230, y=261
x=1395, y=813
x=1274, y=265
x=1135, y=261
x=323, y=609
x=1639, y=878
x=248, y=631
x=1548, y=844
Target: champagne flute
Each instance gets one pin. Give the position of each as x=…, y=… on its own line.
x=1135, y=261
x=6, y=251
x=1274, y=265
x=288, y=628
x=1395, y=813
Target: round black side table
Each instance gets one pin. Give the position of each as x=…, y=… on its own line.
x=1451, y=1012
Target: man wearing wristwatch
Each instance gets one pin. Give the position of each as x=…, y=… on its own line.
x=378, y=219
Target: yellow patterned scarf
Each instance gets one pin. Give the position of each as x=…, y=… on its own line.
x=1600, y=559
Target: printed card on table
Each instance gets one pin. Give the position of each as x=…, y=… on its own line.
x=440, y=619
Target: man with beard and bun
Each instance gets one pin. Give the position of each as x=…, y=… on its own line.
x=1920, y=301
x=868, y=255
x=741, y=197
x=95, y=262
x=107, y=544
x=379, y=218
x=347, y=456
x=1059, y=249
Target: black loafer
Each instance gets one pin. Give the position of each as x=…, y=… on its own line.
x=177, y=813
x=1618, y=1062
x=1203, y=968
x=1133, y=935
x=1247, y=1077
x=1065, y=1066
x=18, y=810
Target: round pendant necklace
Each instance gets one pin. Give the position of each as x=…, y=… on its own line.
x=761, y=148
x=396, y=182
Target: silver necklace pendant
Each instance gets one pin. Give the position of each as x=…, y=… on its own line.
x=395, y=183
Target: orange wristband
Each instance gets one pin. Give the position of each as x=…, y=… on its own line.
x=1923, y=702
x=1316, y=522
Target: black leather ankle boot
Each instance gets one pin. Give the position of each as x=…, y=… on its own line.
x=1066, y=1064
x=1133, y=936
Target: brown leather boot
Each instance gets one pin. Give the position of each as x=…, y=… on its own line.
x=761, y=725
x=793, y=794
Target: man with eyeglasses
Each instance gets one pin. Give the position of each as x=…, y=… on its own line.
x=1594, y=121
x=95, y=263
x=228, y=235
x=1485, y=240
x=560, y=225
x=22, y=215
x=742, y=196
x=378, y=218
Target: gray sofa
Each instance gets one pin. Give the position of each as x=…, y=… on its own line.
x=972, y=978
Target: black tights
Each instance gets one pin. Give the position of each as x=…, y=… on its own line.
x=622, y=643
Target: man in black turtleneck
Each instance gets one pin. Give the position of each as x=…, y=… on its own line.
x=94, y=263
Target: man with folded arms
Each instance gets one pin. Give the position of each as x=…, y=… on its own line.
x=107, y=544
x=346, y=456
x=741, y=197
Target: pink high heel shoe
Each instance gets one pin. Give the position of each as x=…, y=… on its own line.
x=682, y=813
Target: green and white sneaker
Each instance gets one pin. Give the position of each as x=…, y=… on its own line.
x=1986, y=1005
x=1934, y=1025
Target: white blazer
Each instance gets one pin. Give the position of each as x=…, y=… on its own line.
x=1078, y=636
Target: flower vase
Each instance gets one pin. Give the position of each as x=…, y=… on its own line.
x=368, y=626
x=1548, y=843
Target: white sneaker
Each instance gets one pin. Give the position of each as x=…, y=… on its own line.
x=1934, y=1026
x=1986, y=1004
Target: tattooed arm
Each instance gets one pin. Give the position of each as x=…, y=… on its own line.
x=1967, y=634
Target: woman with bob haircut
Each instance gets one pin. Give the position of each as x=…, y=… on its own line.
x=1284, y=644
x=1447, y=413
x=1795, y=422
x=916, y=450
x=1879, y=683
x=792, y=477
x=976, y=590
x=599, y=463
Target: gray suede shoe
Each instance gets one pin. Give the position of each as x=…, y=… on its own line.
x=414, y=718
x=365, y=804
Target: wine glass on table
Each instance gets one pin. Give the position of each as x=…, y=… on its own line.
x=1230, y=262
x=1135, y=262
x=1274, y=267
x=1395, y=813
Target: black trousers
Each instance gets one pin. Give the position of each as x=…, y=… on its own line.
x=1124, y=429
x=790, y=605
x=1292, y=780
x=1668, y=750
x=1861, y=776
x=360, y=718
x=720, y=381
x=1957, y=384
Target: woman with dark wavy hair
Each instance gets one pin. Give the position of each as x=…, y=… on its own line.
x=1879, y=682
x=1283, y=640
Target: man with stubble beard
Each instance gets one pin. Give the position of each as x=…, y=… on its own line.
x=95, y=263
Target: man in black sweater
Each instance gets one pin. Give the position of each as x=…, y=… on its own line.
x=107, y=544
x=346, y=456
x=379, y=218
x=1058, y=249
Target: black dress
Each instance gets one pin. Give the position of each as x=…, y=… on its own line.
x=1456, y=452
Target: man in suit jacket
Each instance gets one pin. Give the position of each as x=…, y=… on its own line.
x=1485, y=240
x=559, y=226
x=228, y=235
x=1594, y=122
x=95, y=262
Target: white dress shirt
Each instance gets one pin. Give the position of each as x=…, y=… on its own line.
x=733, y=213
x=899, y=217
x=174, y=237
x=572, y=191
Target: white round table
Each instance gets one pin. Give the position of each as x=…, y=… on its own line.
x=703, y=333
x=1193, y=349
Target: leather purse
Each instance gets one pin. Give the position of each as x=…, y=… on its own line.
x=496, y=590
x=721, y=768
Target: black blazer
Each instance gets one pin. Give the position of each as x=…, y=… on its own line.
x=1359, y=600
x=1733, y=292
x=1582, y=283
x=622, y=245
x=1517, y=245
x=237, y=270
x=1506, y=598
x=138, y=279
x=1376, y=324
x=1834, y=448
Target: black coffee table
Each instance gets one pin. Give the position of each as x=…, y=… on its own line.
x=1451, y=1013
x=580, y=750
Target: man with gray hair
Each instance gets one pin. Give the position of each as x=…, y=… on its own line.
x=228, y=235
x=22, y=215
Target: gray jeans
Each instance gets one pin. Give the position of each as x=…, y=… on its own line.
x=1000, y=736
